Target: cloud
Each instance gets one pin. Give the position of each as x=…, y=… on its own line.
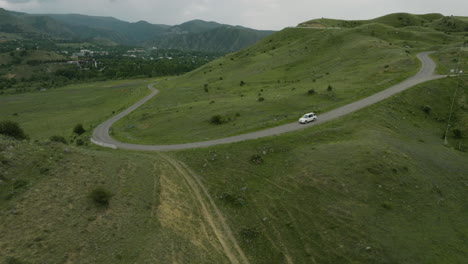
x=18, y=1
x=261, y=14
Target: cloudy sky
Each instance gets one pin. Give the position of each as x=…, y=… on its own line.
x=260, y=14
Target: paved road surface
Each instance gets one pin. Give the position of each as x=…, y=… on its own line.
x=101, y=133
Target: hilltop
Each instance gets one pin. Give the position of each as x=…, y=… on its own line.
x=434, y=21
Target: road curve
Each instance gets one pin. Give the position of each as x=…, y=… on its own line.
x=101, y=135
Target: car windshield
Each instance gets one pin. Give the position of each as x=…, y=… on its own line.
x=305, y=116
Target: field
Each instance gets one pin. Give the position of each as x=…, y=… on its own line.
x=57, y=111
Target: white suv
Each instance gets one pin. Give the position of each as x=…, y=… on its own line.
x=310, y=117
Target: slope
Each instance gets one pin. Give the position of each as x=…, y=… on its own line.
x=378, y=186
x=277, y=80
x=49, y=215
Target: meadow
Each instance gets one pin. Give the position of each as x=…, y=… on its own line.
x=56, y=111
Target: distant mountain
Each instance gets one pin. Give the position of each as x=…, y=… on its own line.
x=193, y=35
x=210, y=36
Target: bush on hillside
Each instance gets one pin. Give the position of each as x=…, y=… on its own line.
x=330, y=88
x=217, y=120
x=59, y=139
x=457, y=133
x=261, y=99
x=256, y=159
x=242, y=83
x=100, y=197
x=12, y=129
x=427, y=109
x=79, y=142
x=311, y=92
x=79, y=130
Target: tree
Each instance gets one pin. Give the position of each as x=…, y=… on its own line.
x=79, y=130
x=12, y=129
x=100, y=197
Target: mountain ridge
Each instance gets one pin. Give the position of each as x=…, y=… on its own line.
x=196, y=35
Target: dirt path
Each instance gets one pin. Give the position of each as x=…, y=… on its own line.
x=210, y=212
x=101, y=133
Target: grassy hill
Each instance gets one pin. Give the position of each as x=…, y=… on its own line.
x=399, y=20
x=376, y=186
x=278, y=79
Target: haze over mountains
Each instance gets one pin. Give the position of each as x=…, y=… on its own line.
x=193, y=35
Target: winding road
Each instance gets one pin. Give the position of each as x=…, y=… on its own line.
x=102, y=138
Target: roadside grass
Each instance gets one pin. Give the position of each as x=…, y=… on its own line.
x=377, y=186
x=49, y=212
x=448, y=59
x=56, y=112
x=280, y=69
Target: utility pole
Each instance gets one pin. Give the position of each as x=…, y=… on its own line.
x=459, y=73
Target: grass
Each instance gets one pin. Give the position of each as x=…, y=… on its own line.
x=280, y=69
x=56, y=112
x=48, y=215
x=377, y=186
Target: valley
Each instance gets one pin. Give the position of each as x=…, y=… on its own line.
x=385, y=183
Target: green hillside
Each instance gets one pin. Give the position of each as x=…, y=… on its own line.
x=283, y=76
x=380, y=185
x=399, y=20
x=376, y=186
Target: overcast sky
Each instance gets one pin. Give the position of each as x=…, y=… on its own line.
x=259, y=14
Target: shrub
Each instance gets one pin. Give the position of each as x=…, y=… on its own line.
x=311, y=92
x=100, y=197
x=261, y=99
x=217, y=120
x=231, y=199
x=13, y=260
x=256, y=159
x=12, y=129
x=249, y=233
x=79, y=142
x=79, y=130
x=387, y=205
x=427, y=109
x=457, y=133
x=330, y=88
x=242, y=83
x=59, y=139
